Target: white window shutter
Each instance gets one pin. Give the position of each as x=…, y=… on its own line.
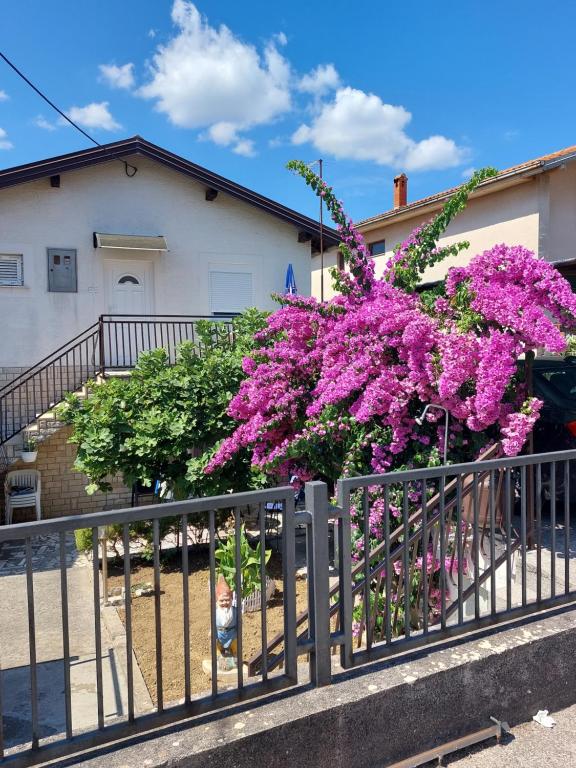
x=11, y=269
x=230, y=292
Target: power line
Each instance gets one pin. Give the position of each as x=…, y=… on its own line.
x=60, y=112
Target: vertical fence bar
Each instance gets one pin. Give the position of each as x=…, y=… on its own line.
x=476, y=541
x=523, y=532
x=212, y=560
x=366, y=518
x=186, y=607
x=405, y=558
x=97, y=627
x=424, y=559
x=492, y=517
x=388, y=574
x=553, y=529
x=317, y=505
x=459, y=548
x=238, y=590
x=158, y=615
x=538, y=532
x=442, y=499
x=32, y=644
x=567, y=526
x=101, y=350
x=289, y=577
x=345, y=575
x=263, y=624
x=508, y=514
x=65, y=636
x=128, y=619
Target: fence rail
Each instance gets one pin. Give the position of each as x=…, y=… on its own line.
x=419, y=556
x=113, y=343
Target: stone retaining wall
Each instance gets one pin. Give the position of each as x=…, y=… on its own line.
x=63, y=489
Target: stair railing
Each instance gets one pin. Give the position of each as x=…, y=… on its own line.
x=45, y=384
x=113, y=343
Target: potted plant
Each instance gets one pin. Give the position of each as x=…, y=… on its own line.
x=249, y=568
x=29, y=449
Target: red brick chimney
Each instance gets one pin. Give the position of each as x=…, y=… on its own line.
x=400, y=190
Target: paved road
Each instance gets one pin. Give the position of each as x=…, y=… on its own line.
x=529, y=746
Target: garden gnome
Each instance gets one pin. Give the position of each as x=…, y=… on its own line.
x=226, y=626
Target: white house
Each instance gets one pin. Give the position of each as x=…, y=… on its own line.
x=125, y=229
x=130, y=228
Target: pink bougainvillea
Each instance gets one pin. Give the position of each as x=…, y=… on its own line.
x=336, y=386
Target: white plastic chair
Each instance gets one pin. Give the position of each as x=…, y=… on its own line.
x=22, y=478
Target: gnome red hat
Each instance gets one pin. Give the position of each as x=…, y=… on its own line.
x=222, y=588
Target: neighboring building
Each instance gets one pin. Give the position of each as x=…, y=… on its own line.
x=532, y=204
x=84, y=234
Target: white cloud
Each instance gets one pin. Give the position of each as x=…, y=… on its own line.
x=281, y=38
x=360, y=126
x=41, y=122
x=117, y=77
x=206, y=77
x=151, y=33
x=467, y=173
x=225, y=134
x=320, y=80
x=245, y=147
x=4, y=143
x=3, y=95
x=94, y=115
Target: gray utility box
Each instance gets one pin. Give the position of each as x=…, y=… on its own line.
x=62, y=275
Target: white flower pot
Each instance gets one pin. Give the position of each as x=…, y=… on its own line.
x=28, y=457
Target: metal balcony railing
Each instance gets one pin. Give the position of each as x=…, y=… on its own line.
x=113, y=343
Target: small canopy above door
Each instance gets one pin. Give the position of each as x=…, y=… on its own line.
x=130, y=242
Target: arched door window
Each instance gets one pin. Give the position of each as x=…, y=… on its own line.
x=128, y=279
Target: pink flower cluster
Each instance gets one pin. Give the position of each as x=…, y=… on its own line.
x=348, y=376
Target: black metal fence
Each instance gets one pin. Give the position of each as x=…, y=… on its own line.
x=209, y=515
x=417, y=557
x=113, y=343
x=122, y=338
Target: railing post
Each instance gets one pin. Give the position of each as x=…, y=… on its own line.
x=345, y=575
x=319, y=583
x=101, y=344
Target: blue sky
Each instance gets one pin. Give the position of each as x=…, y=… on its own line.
x=374, y=88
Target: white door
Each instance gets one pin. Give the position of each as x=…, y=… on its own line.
x=129, y=292
x=129, y=287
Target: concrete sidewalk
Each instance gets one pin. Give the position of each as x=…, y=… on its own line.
x=529, y=745
x=14, y=646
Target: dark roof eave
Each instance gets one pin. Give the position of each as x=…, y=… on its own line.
x=138, y=146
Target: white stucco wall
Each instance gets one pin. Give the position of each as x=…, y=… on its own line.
x=507, y=216
x=225, y=234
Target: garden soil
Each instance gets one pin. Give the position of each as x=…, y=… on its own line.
x=143, y=627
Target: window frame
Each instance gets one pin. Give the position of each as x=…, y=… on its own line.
x=19, y=259
x=377, y=242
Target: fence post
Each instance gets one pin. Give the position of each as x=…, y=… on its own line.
x=318, y=557
x=345, y=575
x=101, y=344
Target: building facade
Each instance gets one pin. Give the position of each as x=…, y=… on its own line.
x=532, y=204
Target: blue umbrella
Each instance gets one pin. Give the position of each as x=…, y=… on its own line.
x=290, y=286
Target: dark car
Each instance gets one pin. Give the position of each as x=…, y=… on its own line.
x=554, y=382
